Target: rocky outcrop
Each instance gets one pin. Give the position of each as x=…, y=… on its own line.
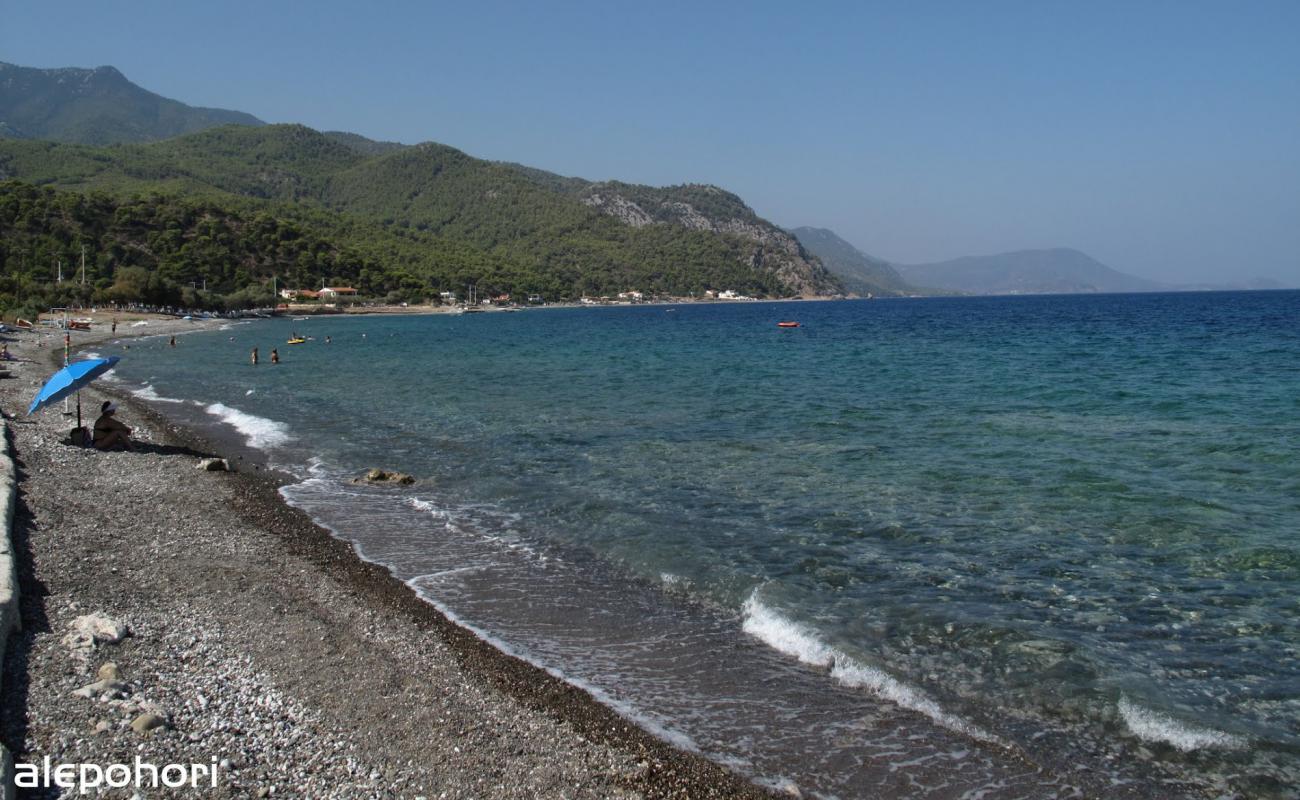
x=622, y=209
x=713, y=210
x=383, y=476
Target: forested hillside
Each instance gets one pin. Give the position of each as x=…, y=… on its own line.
x=416, y=220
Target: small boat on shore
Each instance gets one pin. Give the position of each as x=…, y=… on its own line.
x=787, y=324
x=24, y=324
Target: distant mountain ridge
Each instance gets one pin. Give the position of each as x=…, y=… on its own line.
x=96, y=106
x=861, y=273
x=1050, y=271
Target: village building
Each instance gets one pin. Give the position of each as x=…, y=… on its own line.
x=332, y=293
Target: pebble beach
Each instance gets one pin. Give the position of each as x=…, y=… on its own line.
x=189, y=616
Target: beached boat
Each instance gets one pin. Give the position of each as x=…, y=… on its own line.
x=24, y=324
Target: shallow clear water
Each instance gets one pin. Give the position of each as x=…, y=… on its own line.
x=1034, y=546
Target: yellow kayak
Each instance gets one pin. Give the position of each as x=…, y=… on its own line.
x=298, y=340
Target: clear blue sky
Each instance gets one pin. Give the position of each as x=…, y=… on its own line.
x=1163, y=138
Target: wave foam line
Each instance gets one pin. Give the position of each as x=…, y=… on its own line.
x=1152, y=726
x=259, y=432
x=793, y=639
x=148, y=393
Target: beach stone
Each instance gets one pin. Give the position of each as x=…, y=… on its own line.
x=108, y=671
x=147, y=722
x=100, y=687
x=94, y=629
x=375, y=475
x=214, y=465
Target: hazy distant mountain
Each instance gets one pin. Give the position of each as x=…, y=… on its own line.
x=96, y=106
x=1055, y=271
x=861, y=273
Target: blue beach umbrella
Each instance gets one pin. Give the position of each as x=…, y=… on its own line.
x=71, y=378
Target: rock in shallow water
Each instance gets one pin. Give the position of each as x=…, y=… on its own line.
x=375, y=475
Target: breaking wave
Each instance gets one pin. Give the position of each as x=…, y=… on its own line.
x=1152, y=726
x=794, y=639
x=259, y=432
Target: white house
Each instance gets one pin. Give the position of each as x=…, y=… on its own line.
x=335, y=292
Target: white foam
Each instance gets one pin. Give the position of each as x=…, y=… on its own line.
x=250, y=391
x=790, y=637
x=673, y=581
x=435, y=511
x=138, y=324
x=259, y=432
x=1152, y=726
x=784, y=635
x=148, y=393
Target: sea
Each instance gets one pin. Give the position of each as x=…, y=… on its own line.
x=1011, y=547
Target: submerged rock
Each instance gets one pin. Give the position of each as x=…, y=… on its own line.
x=375, y=475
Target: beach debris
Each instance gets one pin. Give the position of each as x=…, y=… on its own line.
x=106, y=689
x=92, y=630
x=376, y=475
x=214, y=465
x=148, y=721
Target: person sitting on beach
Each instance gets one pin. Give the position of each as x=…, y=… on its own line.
x=109, y=433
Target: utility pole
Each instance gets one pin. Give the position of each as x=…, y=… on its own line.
x=83, y=265
x=60, y=278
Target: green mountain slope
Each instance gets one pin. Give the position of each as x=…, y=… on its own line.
x=861, y=273
x=509, y=229
x=96, y=106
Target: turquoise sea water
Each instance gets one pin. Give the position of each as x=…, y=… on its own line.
x=1002, y=547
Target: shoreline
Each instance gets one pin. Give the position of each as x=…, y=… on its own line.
x=650, y=766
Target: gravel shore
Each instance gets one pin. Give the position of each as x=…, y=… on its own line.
x=253, y=639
